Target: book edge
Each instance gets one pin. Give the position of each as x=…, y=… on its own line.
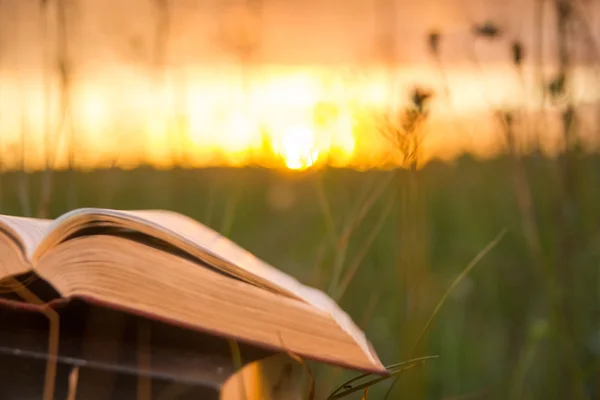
x=306, y=293
x=57, y=303
x=192, y=327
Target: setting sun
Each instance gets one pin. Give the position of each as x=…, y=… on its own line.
x=297, y=148
x=288, y=116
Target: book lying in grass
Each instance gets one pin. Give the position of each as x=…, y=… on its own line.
x=170, y=268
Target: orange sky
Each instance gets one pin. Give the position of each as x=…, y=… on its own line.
x=313, y=55
x=293, y=31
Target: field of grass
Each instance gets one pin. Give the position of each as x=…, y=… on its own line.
x=523, y=324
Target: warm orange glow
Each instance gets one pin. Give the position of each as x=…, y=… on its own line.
x=297, y=117
x=297, y=148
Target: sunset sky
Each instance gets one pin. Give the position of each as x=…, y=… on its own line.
x=132, y=102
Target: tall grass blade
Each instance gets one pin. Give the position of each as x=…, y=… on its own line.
x=456, y=282
x=347, y=387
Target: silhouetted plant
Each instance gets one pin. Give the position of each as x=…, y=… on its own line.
x=405, y=132
x=556, y=87
x=517, y=53
x=487, y=29
x=49, y=146
x=420, y=98
x=64, y=129
x=402, y=130
x=434, y=38
x=65, y=73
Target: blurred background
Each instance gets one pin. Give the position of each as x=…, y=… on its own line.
x=370, y=148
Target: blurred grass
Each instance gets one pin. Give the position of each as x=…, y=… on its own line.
x=495, y=334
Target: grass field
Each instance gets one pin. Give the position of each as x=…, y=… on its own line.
x=521, y=325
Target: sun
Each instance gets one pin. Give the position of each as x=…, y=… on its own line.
x=297, y=148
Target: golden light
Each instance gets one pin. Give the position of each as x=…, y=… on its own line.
x=297, y=148
x=337, y=137
x=295, y=116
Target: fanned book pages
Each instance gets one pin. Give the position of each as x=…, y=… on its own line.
x=170, y=268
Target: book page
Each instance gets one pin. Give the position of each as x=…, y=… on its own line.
x=213, y=242
x=29, y=232
x=134, y=277
x=12, y=260
x=210, y=241
x=182, y=232
x=205, y=244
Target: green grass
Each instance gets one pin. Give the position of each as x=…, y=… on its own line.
x=488, y=334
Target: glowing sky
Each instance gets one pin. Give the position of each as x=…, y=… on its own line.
x=304, y=95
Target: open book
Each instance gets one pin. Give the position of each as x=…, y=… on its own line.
x=168, y=267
